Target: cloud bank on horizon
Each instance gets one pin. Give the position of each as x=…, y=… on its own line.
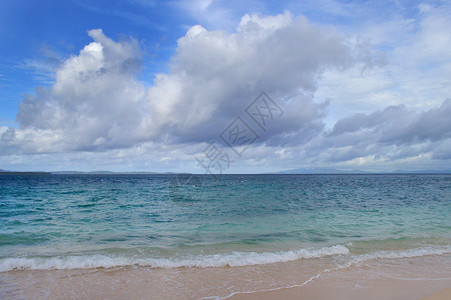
x=352, y=99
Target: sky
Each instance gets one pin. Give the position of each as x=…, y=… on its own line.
x=209, y=86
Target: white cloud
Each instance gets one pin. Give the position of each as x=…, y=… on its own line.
x=216, y=74
x=382, y=110
x=96, y=102
x=412, y=65
x=393, y=133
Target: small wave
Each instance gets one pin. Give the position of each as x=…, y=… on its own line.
x=408, y=253
x=234, y=259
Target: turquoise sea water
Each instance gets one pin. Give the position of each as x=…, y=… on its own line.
x=166, y=221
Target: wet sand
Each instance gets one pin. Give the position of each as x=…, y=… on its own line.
x=407, y=278
x=440, y=295
x=414, y=292
x=371, y=282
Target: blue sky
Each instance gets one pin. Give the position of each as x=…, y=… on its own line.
x=33, y=30
x=364, y=84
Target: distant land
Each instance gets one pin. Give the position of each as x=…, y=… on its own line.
x=3, y=172
x=110, y=172
x=338, y=171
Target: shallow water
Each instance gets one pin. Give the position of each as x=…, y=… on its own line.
x=167, y=221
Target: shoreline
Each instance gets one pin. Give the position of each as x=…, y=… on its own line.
x=423, y=278
x=405, y=278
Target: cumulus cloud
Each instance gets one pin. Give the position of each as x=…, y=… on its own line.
x=395, y=132
x=98, y=106
x=216, y=74
x=397, y=124
x=97, y=103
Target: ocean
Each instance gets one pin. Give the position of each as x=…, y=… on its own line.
x=174, y=222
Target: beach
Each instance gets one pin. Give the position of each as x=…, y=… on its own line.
x=396, y=279
x=407, y=278
x=225, y=150
x=238, y=237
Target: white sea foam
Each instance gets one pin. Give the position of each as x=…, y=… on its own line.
x=233, y=259
x=408, y=253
